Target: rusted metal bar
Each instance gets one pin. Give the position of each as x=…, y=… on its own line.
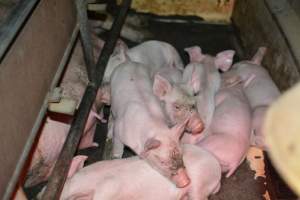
x=85, y=36
x=111, y=42
x=61, y=168
x=62, y=165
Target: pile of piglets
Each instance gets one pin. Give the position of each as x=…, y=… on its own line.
x=187, y=125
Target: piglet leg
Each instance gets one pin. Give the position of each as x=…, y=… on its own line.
x=118, y=148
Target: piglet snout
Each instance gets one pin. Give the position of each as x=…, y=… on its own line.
x=195, y=125
x=181, y=178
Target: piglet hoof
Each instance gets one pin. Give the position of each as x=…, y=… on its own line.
x=95, y=144
x=113, y=157
x=99, y=116
x=103, y=120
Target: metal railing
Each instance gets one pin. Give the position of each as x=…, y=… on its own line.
x=96, y=72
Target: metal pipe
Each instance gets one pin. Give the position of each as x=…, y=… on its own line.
x=10, y=28
x=111, y=42
x=61, y=168
x=86, y=40
x=62, y=165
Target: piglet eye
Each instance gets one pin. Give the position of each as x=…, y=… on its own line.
x=193, y=107
x=177, y=107
x=196, y=94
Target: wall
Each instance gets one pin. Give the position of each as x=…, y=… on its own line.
x=26, y=73
x=258, y=27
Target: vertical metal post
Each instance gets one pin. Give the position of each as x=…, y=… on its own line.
x=59, y=174
x=85, y=36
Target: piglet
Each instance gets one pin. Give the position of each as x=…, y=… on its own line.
x=139, y=123
x=229, y=137
x=154, y=54
x=134, y=179
x=52, y=137
x=165, y=67
x=77, y=164
x=261, y=92
x=203, y=77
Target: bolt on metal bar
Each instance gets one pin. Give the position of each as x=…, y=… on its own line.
x=59, y=174
x=85, y=36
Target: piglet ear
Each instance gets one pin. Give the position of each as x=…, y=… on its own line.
x=151, y=143
x=76, y=164
x=120, y=51
x=191, y=77
x=195, y=81
x=179, y=128
x=195, y=53
x=103, y=94
x=161, y=86
x=121, y=45
x=224, y=60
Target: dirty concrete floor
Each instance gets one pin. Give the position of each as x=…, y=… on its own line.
x=241, y=186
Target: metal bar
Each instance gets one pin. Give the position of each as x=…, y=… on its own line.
x=62, y=165
x=32, y=136
x=111, y=42
x=61, y=168
x=86, y=40
x=10, y=28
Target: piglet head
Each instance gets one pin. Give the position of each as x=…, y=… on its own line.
x=179, y=103
x=224, y=59
x=164, y=154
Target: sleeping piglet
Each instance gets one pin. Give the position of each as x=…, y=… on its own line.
x=154, y=54
x=50, y=143
x=260, y=92
x=132, y=178
x=229, y=137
